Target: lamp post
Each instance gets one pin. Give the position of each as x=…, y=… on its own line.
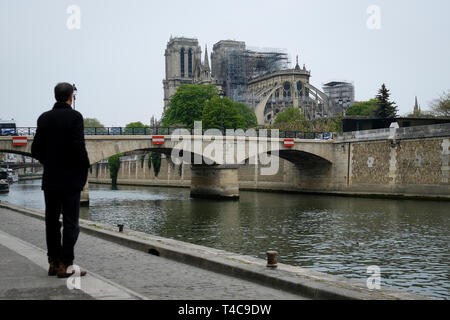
x=74, y=95
x=221, y=95
x=349, y=102
x=341, y=104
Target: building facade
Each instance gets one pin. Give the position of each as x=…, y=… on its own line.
x=260, y=78
x=341, y=95
x=184, y=65
x=272, y=93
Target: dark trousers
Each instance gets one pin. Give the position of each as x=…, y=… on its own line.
x=66, y=203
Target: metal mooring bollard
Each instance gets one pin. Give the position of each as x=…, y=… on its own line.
x=120, y=227
x=272, y=259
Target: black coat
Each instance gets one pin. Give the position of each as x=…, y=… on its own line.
x=59, y=145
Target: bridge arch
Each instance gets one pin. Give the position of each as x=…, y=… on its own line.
x=303, y=166
x=317, y=151
x=301, y=158
x=100, y=149
x=163, y=150
x=306, y=162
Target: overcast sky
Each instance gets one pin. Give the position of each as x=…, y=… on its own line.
x=116, y=58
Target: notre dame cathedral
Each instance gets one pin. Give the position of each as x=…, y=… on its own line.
x=261, y=78
x=184, y=66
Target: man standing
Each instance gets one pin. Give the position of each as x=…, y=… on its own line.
x=59, y=145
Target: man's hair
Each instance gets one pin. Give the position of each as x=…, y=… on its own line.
x=63, y=90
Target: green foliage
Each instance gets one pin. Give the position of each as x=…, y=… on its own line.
x=310, y=126
x=218, y=112
x=142, y=160
x=92, y=123
x=114, y=166
x=248, y=115
x=155, y=158
x=386, y=109
x=292, y=119
x=441, y=106
x=186, y=105
x=136, y=124
x=135, y=128
x=328, y=125
x=364, y=109
x=421, y=114
x=289, y=115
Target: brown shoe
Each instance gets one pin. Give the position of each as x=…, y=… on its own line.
x=62, y=272
x=53, y=269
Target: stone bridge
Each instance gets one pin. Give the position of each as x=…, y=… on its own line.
x=402, y=162
x=213, y=176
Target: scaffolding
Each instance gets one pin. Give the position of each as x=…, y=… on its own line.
x=341, y=95
x=241, y=65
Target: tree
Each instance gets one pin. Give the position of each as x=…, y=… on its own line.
x=154, y=158
x=248, y=115
x=222, y=112
x=92, y=125
x=114, y=166
x=328, y=124
x=289, y=115
x=135, y=128
x=386, y=109
x=420, y=114
x=136, y=124
x=365, y=109
x=441, y=107
x=186, y=105
x=291, y=119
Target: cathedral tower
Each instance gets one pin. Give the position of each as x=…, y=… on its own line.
x=182, y=55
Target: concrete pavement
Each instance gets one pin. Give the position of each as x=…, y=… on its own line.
x=22, y=279
x=141, y=265
x=114, y=271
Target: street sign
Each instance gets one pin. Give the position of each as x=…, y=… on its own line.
x=158, y=139
x=19, y=141
x=289, y=143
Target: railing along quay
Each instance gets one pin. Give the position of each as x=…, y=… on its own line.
x=121, y=131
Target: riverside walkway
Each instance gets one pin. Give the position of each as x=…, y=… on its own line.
x=114, y=271
x=134, y=265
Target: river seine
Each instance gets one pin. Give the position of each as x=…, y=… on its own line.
x=408, y=239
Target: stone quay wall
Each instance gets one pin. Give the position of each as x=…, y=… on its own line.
x=411, y=162
x=134, y=171
x=411, y=167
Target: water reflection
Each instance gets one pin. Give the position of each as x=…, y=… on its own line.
x=407, y=239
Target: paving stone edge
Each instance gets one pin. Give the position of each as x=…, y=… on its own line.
x=306, y=282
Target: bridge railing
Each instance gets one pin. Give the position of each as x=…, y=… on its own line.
x=116, y=131
x=25, y=131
